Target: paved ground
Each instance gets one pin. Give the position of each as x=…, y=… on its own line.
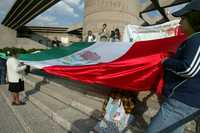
x=51, y=110
x=8, y=122
x=24, y=119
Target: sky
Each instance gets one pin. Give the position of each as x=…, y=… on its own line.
x=5, y=7
x=64, y=13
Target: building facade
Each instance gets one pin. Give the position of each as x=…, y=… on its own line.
x=114, y=13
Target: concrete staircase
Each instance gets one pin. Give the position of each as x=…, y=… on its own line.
x=9, y=123
x=76, y=107
x=25, y=119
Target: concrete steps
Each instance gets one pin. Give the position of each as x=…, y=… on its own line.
x=58, y=101
x=85, y=103
x=9, y=122
x=64, y=114
x=59, y=97
x=94, y=90
x=32, y=119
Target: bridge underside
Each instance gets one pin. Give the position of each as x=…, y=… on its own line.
x=159, y=6
x=23, y=11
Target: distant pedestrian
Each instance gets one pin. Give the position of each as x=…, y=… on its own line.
x=90, y=37
x=56, y=42
x=112, y=36
x=15, y=78
x=2, y=71
x=117, y=36
x=104, y=35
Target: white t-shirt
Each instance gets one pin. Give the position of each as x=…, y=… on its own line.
x=14, y=70
x=91, y=38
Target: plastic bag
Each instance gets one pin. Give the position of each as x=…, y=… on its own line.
x=115, y=119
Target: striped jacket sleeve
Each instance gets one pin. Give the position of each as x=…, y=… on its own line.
x=188, y=65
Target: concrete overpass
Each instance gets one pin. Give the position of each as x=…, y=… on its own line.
x=23, y=11
x=160, y=6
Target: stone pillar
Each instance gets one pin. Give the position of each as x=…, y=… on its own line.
x=114, y=13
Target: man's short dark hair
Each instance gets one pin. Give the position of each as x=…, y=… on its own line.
x=13, y=53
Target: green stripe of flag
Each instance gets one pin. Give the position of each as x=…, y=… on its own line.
x=55, y=52
x=3, y=55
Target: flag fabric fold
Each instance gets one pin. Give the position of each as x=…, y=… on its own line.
x=134, y=66
x=139, y=69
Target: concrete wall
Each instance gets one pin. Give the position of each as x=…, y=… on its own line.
x=7, y=37
x=46, y=38
x=28, y=44
x=51, y=36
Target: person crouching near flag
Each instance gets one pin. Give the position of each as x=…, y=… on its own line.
x=182, y=76
x=15, y=77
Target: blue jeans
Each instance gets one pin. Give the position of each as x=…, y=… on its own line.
x=171, y=111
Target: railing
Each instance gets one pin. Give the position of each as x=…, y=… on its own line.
x=174, y=126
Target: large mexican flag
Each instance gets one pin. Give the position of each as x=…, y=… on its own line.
x=134, y=66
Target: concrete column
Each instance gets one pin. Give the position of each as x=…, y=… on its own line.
x=114, y=13
x=7, y=37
